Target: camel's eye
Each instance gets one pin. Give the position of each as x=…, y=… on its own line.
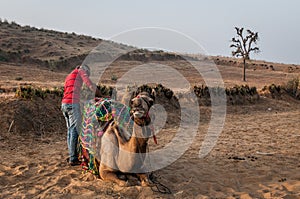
x=137, y=108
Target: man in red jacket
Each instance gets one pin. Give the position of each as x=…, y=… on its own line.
x=71, y=107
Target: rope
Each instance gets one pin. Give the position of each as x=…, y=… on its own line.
x=159, y=186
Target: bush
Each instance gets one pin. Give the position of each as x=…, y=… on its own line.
x=114, y=78
x=292, y=87
x=28, y=92
x=26, y=51
x=3, y=56
x=235, y=95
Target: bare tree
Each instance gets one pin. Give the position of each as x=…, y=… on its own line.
x=243, y=45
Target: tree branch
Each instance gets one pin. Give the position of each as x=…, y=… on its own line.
x=242, y=44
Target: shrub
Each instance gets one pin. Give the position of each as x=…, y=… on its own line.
x=3, y=58
x=26, y=51
x=114, y=78
x=56, y=91
x=292, y=87
x=28, y=92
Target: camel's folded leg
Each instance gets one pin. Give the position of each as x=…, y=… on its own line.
x=109, y=175
x=144, y=179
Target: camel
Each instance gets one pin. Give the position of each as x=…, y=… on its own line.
x=122, y=150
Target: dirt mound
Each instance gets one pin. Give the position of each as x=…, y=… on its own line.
x=38, y=116
x=37, y=111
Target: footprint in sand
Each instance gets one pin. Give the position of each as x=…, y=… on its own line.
x=20, y=170
x=64, y=181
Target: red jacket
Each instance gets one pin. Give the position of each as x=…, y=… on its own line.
x=73, y=84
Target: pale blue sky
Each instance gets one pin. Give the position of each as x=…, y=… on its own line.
x=211, y=23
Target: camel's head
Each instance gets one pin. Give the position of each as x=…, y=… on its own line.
x=140, y=106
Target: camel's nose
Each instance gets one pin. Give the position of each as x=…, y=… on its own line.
x=139, y=113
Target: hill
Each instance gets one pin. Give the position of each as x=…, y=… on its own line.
x=57, y=50
x=46, y=48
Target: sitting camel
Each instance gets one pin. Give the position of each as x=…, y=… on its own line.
x=120, y=147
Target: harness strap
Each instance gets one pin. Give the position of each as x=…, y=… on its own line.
x=154, y=136
x=103, y=128
x=148, y=103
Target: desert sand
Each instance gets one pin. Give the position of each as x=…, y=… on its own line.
x=256, y=156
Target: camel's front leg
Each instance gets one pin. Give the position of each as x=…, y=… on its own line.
x=107, y=174
x=144, y=179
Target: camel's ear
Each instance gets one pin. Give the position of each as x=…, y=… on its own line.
x=149, y=99
x=153, y=94
x=131, y=102
x=130, y=106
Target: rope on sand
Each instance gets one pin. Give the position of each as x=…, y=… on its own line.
x=160, y=188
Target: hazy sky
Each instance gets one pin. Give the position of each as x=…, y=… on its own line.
x=211, y=23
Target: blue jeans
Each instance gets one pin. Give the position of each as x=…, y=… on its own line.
x=72, y=115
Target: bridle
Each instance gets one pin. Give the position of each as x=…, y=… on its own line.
x=147, y=117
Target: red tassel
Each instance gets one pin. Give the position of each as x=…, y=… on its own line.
x=154, y=138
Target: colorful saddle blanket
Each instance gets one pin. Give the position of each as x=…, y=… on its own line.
x=97, y=116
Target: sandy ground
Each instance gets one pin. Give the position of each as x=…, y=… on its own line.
x=256, y=156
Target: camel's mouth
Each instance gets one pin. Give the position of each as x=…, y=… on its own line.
x=139, y=113
x=140, y=106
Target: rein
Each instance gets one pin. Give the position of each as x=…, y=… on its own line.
x=153, y=180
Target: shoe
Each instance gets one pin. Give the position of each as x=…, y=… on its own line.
x=75, y=163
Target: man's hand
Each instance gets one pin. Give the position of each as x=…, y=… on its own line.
x=97, y=92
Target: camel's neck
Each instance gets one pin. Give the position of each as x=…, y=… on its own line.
x=142, y=121
x=139, y=138
x=133, y=153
